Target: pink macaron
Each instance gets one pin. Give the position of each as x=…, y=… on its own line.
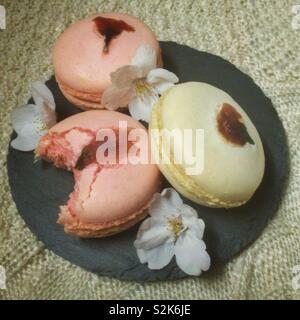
x=88, y=51
x=107, y=198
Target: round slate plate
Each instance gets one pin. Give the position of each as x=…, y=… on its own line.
x=38, y=188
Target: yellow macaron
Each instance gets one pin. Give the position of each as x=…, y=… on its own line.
x=230, y=153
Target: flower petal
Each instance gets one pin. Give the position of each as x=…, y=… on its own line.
x=22, y=116
x=162, y=87
x=27, y=139
x=161, y=79
x=195, y=225
x=191, y=254
x=151, y=235
x=145, y=225
x=140, y=108
x=29, y=127
x=48, y=116
x=124, y=76
x=160, y=76
x=160, y=256
x=188, y=211
x=141, y=253
x=41, y=94
x=165, y=204
x=161, y=207
x=171, y=195
x=114, y=97
x=145, y=58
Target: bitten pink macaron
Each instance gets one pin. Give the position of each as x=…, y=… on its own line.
x=107, y=198
x=88, y=51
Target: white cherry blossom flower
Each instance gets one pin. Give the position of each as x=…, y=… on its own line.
x=173, y=228
x=138, y=85
x=32, y=121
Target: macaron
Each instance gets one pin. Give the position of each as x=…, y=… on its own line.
x=107, y=198
x=88, y=51
x=231, y=156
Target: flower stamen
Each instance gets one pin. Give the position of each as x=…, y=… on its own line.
x=143, y=89
x=176, y=226
x=40, y=126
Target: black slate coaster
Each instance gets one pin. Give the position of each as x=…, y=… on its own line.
x=38, y=188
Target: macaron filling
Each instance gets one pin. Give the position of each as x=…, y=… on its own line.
x=64, y=148
x=88, y=97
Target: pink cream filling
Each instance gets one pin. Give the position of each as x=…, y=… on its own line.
x=88, y=97
x=64, y=149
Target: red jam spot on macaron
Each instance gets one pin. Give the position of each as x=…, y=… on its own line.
x=89, y=153
x=111, y=29
x=231, y=126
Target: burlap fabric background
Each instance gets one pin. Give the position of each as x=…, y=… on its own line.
x=257, y=37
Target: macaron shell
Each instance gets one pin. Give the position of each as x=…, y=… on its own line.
x=78, y=59
x=119, y=192
x=231, y=173
x=94, y=120
x=104, y=197
x=97, y=230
